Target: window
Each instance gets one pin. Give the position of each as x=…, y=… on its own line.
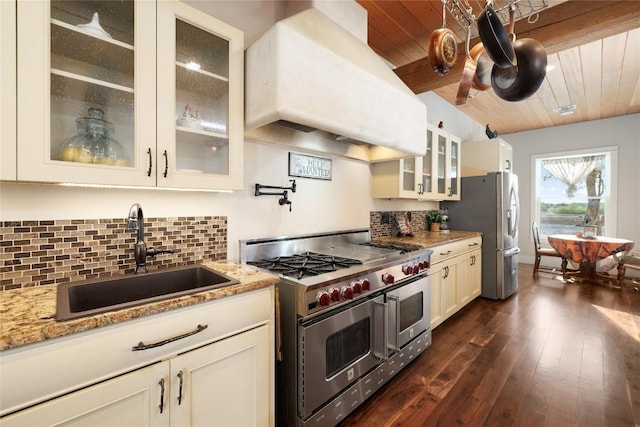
x=573, y=189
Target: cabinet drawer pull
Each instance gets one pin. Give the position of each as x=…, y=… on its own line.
x=445, y=253
x=150, y=162
x=161, y=394
x=166, y=163
x=142, y=346
x=181, y=376
x=473, y=244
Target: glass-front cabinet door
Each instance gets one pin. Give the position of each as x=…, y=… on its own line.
x=200, y=100
x=453, y=190
x=408, y=173
x=441, y=166
x=137, y=93
x=86, y=91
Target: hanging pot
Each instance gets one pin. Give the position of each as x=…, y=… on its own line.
x=495, y=38
x=484, y=65
x=467, y=75
x=522, y=81
x=443, y=50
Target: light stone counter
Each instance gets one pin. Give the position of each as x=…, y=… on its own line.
x=428, y=239
x=28, y=315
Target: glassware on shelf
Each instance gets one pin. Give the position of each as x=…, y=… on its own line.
x=93, y=142
x=94, y=27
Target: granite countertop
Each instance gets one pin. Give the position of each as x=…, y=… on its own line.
x=428, y=239
x=27, y=315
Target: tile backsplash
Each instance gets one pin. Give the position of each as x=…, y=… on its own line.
x=34, y=253
x=380, y=228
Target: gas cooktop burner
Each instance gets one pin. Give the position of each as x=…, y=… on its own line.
x=306, y=264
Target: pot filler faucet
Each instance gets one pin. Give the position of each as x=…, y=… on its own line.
x=135, y=222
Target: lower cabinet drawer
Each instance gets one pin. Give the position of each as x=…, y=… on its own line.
x=38, y=372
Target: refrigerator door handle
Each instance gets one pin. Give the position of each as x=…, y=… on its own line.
x=510, y=252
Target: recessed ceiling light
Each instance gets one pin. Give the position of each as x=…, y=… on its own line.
x=565, y=110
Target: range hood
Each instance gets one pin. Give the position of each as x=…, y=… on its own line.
x=317, y=78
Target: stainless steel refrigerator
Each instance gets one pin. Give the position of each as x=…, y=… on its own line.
x=490, y=205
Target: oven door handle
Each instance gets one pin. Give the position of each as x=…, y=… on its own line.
x=381, y=349
x=396, y=301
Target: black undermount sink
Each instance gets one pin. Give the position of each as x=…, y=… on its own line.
x=81, y=299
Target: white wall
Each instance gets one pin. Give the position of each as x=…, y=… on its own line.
x=623, y=132
x=342, y=203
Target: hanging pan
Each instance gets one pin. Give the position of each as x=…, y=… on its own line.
x=495, y=38
x=484, y=65
x=520, y=82
x=443, y=50
x=467, y=75
x=523, y=80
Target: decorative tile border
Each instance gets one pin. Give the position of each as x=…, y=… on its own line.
x=34, y=253
x=390, y=228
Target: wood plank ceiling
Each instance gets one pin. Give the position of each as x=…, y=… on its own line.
x=594, y=46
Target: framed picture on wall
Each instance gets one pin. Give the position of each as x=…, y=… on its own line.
x=306, y=166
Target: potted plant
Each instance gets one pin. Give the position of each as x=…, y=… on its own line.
x=434, y=218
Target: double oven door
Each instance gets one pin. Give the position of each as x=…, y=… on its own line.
x=335, y=351
x=409, y=310
x=338, y=349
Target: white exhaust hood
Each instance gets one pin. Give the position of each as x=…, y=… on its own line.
x=311, y=74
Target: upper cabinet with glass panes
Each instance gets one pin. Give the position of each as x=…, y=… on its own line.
x=95, y=105
x=434, y=176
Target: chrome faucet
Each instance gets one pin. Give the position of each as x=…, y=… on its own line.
x=135, y=222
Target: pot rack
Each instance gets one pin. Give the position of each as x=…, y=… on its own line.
x=462, y=12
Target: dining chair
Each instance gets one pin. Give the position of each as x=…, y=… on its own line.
x=628, y=261
x=540, y=251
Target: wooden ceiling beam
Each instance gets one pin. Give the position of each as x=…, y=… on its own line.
x=567, y=25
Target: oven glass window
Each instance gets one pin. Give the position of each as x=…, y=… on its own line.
x=347, y=345
x=411, y=310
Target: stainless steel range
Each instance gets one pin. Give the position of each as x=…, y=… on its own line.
x=352, y=315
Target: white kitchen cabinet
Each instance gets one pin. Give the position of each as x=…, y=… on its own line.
x=160, y=94
x=482, y=157
x=474, y=273
x=216, y=365
x=131, y=400
x=436, y=273
x=450, y=287
x=434, y=176
x=222, y=384
x=8, y=90
x=447, y=165
x=455, y=277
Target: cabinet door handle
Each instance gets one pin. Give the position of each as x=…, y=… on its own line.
x=181, y=376
x=161, y=394
x=446, y=272
x=166, y=163
x=150, y=162
x=142, y=346
x=508, y=166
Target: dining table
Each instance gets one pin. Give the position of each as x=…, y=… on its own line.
x=587, y=251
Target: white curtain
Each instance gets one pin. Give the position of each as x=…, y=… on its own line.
x=572, y=170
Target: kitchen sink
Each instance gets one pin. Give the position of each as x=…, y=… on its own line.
x=81, y=299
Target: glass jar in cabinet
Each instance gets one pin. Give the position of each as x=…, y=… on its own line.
x=86, y=73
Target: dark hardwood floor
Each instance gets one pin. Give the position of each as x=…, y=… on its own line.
x=553, y=354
